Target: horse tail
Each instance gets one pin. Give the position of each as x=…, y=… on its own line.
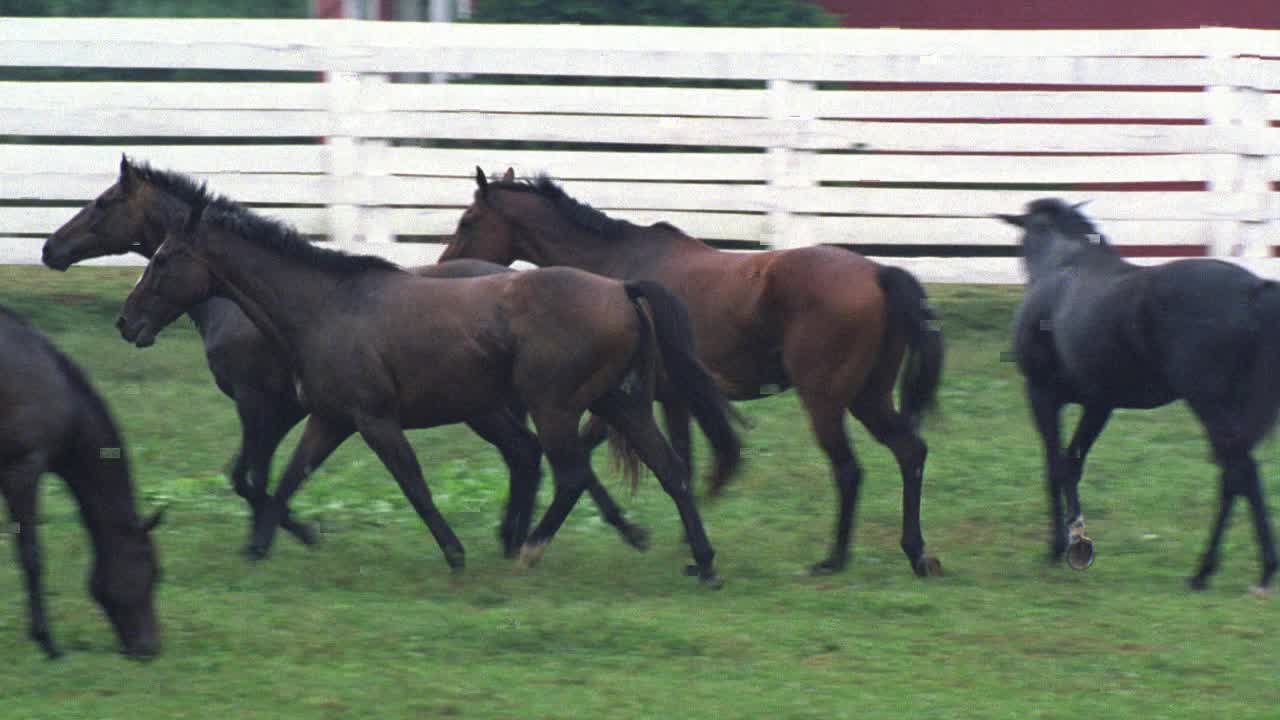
x=1263, y=402
x=674, y=333
x=638, y=381
x=910, y=314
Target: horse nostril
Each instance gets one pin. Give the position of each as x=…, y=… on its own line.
x=119, y=322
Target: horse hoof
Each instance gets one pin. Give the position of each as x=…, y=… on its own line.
x=530, y=555
x=1080, y=554
x=456, y=557
x=306, y=533
x=1199, y=583
x=1259, y=591
x=928, y=566
x=636, y=536
x=712, y=582
x=255, y=552
x=826, y=567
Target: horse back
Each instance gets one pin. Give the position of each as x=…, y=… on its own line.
x=38, y=397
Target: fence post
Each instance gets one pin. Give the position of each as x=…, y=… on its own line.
x=372, y=156
x=344, y=217
x=1237, y=114
x=790, y=164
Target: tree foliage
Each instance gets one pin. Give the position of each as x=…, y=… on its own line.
x=704, y=13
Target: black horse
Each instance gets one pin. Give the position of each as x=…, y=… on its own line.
x=132, y=215
x=1096, y=330
x=51, y=420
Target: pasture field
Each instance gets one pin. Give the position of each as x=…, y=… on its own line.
x=370, y=624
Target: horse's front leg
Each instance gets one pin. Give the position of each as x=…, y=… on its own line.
x=319, y=439
x=264, y=421
x=1079, y=545
x=19, y=484
x=1045, y=410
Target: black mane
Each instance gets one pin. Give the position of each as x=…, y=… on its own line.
x=1066, y=218
x=222, y=212
x=576, y=211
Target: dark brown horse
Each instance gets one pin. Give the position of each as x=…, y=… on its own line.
x=132, y=216
x=51, y=420
x=378, y=350
x=827, y=321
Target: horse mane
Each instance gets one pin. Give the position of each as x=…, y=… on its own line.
x=225, y=213
x=1067, y=218
x=576, y=211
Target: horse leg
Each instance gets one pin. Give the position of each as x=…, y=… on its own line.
x=571, y=470
x=675, y=415
x=1226, y=496
x=635, y=422
x=387, y=440
x=21, y=493
x=523, y=457
x=636, y=536
x=892, y=429
x=319, y=439
x=264, y=421
x=826, y=415
x=1250, y=485
x=1079, y=546
x=1045, y=410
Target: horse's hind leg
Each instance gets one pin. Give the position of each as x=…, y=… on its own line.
x=891, y=429
x=826, y=416
x=1251, y=487
x=1239, y=477
x=387, y=440
x=523, y=457
x=634, y=535
x=634, y=420
x=21, y=491
x=571, y=469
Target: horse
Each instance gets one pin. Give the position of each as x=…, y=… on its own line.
x=132, y=215
x=52, y=420
x=378, y=350
x=1101, y=332
x=827, y=321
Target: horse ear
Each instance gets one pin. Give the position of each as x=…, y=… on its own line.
x=194, y=215
x=481, y=181
x=127, y=173
x=1081, y=204
x=156, y=518
x=1016, y=220
x=509, y=175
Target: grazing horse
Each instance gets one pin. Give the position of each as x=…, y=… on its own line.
x=378, y=350
x=51, y=420
x=132, y=216
x=825, y=320
x=1101, y=332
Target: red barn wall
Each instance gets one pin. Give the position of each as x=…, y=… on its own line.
x=1056, y=14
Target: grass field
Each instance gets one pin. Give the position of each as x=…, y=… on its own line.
x=370, y=624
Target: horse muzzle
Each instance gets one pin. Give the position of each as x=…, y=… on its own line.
x=139, y=333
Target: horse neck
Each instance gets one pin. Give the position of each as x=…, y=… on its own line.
x=1049, y=256
x=160, y=212
x=281, y=295
x=559, y=242
x=96, y=469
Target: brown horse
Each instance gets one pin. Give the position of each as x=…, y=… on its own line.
x=132, y=216
x=51, y=420
x=378, y=350
x=827, y=321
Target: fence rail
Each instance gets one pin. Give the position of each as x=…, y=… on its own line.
x=886, y=138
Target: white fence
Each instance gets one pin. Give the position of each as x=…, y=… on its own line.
x=867, y=137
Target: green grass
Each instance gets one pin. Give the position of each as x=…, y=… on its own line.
x=371, y=625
